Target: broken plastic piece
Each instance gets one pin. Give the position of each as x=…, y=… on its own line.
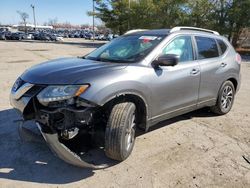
x=56, y=146
x=65, y=153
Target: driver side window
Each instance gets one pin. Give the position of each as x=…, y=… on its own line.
x=181, y=46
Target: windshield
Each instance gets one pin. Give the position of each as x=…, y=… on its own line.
x=130, y=48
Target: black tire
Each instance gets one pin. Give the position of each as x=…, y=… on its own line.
x=219, y=108
x=118, y=144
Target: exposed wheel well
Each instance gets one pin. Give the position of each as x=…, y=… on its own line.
x=141, y=109
x=235, y=83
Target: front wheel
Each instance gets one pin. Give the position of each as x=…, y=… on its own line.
x=120, y=131
x=225, y=99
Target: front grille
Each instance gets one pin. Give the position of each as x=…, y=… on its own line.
x=18, y=83
x=34, y=90
x=22, y=88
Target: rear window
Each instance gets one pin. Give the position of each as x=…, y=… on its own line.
x=207, y=47
x=223, y=46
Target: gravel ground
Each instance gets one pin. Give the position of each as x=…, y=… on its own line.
x=197, y=149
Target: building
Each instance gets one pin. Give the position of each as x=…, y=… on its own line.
x=31, y=27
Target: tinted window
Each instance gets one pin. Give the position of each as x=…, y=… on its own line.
x=207, y=47
x=181, y=46
x=222, y=45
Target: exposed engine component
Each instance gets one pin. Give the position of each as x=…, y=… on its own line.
x=69, y=134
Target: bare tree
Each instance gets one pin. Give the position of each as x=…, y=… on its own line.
x=53, y=22
x=24, y=16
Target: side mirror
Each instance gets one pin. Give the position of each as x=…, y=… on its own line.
x=166, y=60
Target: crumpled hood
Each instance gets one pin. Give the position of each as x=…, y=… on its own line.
x=68, y=71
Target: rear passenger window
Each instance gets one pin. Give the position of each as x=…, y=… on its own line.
x=222, y=45
x=207, y=47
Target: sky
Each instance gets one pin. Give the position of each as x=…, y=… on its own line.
x=73, y=11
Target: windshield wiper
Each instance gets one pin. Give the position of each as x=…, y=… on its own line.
x=92, y=58
x=109, y=60
x=81, y=57
x=113, y=60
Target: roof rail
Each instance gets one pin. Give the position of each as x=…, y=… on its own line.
x=194, y=29
x=134, y=30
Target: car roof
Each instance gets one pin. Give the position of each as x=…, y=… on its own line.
x=182, y=29
x=149, y=32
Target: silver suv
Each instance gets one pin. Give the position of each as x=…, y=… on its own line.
x=134, y=81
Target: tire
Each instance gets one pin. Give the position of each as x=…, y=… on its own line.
x=120, y=131
x=225, y=99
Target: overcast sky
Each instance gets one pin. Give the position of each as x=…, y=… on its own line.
x=73, y=11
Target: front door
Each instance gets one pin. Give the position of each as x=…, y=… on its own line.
x=175, y=88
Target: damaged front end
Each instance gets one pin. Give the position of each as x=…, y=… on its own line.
x=62, y=119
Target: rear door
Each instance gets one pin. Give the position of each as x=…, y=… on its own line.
x=211, y=66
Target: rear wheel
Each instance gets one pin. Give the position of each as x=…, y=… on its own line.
x=120, y=131
x=225, y=99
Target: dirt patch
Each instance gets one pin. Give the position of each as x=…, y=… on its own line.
x=19, y=61
x=38, y=50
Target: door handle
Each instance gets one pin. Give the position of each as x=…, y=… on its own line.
x=223, y=64
x=195, y=71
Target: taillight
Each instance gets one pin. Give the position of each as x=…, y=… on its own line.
x=238, y=58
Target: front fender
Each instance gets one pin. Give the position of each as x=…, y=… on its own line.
x=102, y=95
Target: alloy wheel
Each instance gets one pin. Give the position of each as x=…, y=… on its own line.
x=227, y=97
x=130, y=133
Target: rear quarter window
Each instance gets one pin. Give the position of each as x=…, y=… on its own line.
x=206, y=47
x=223, y=46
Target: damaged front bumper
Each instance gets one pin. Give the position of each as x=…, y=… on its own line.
x=58, y=148
x=64, y=153
x=55, y=124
